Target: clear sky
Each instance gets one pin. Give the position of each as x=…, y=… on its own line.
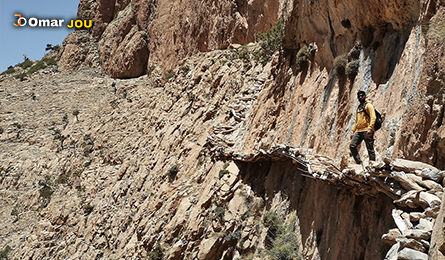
x=16, y=41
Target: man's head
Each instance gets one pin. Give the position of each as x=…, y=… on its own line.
x=361, y=95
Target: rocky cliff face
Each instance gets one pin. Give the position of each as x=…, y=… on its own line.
x=227, y=155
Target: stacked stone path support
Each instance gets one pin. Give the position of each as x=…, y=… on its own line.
x=415, y=188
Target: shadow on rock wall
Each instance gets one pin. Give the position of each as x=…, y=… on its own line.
x=348, y=226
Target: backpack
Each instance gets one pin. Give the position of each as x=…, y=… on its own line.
x=378, y=119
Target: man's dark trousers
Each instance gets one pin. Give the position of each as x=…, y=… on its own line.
x=357, y=138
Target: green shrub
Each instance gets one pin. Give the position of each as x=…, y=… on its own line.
x=114, y=103
x=241, y=53
x=65, y=119
x=50, y=61
x=15, y=210
x=352, y=69
x=63, y=178
x=302, y=57
x=150, y=70
x=271, y=41
x=38, y=66
x=339, y=66
x=10, y=70
x=87, y=6
x=173, y=171
x=169, y=75
x=282, y=237
x=26, y=64
x=50, y=47
x=271, y=219
x=76, y=114
x=17, y=125
x=219, y=212
x=87, y=209
x=184, y=68
x=191, y=98
x=156, y=254
x=78, y=172
x=21, y=76
x=223, y=172
x=46, y=192
x=5, y=252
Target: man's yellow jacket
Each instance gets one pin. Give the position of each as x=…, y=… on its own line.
x=363, y=122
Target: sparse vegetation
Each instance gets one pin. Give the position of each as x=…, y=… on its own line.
x=17, y=125
x=219, y=212
x=156, y=254
x=339, y=66
x=114, y=103
x=223, y=172
x=77, y=172
x=80, y=188
x=76, y=113
x=15, y=210
x=38, y=66
x=302, y=57
x=25, y=64
x=201, y=161
x=21, y=76
x=241, y=53
x=184, y=69
x=352, y=69
x=58, y=136
x=50, y=47
x=281, y=237
x=270, y=42
x=63, y=178
x=87, y=6
x=50, y=61
x=65, y=120
x=87, y=209
x=438, y=29
x=46, y=191
x=169, y=75
x=191, y=97
x=10, y=70
x=271, y=219
x=5, y=252
x=173, y=171
x=151, y=69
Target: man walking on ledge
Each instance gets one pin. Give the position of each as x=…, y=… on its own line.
x=363, y=128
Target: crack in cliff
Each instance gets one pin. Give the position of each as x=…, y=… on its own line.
x=331, y=39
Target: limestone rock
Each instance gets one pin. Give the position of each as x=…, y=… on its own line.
x=411, y=166
x=392, y=254
x=432, y=174
x=411, y=243
x=411, y=254
x=417, y=234
x=391, y=236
